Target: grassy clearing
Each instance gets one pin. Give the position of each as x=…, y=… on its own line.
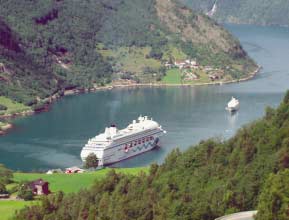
x=13, y=107
x=204, y=78
x=8, y=208
x=132, y=59
x=173, y=76
x=175, y=53
x=74, y=182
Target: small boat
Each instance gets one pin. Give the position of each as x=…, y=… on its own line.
x=233, y=105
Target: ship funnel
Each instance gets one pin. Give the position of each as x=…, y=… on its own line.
x=112, y=131
x=107, y=132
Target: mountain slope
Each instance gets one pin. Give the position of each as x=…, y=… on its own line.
x=207, y=181
x=49, y=46
x=264, y=12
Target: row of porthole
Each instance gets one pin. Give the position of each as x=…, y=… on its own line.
x=134, y=143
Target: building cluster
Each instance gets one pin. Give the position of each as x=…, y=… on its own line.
x=69, y=170
x=187, y=66
x=183, y=64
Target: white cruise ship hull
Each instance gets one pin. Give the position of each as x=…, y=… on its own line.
x=233, y=108
x=126, y=148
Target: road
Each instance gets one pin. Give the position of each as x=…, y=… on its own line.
x=239, y=216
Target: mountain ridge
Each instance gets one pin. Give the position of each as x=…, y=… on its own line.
x=71, y=44
x=260, y=12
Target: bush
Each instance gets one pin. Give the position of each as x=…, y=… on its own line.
x=3, y=108
x=2, y=188
x=25, y=192
x=5, y=175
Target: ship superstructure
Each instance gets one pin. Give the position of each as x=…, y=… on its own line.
x=233, y=105
x=116, y=145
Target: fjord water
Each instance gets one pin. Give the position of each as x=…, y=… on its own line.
x=54, y=139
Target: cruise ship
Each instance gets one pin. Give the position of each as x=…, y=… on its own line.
x=233, y=105
x=116, y=145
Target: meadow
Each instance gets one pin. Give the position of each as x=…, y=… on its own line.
x=173, y=76
x=8, y=207
x=73, y=182
x=68, y=183
x=12, y=106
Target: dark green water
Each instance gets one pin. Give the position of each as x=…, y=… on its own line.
x=55, y=138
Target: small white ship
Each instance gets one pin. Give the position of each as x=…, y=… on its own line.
x=116, y=145
x=233, y=105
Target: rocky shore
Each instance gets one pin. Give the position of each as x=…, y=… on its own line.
x=5, y=127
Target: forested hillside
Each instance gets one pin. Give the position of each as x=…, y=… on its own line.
x=214, y=178
x=264, y=12
x=49, y=46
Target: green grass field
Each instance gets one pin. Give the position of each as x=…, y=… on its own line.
x=175, y=52
x=65, y=182
x=173, y=76
x=132, y=59
x=13, y=107
x=8, y=208
x=73, y=182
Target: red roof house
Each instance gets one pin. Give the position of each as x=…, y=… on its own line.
x=39, y=187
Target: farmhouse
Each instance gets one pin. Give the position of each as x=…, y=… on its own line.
x=180, y=63
x=39, y=187
x=216, y=76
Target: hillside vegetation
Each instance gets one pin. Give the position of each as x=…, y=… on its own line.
x=214, y=178
x=49, y=46
x=264, y=12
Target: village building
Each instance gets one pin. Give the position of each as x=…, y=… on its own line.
x=168, y=65
x=74, y=170
x=187, y=64
x=4, y=196
x=216, y=76
x=191, y=76
x=54, y=171
x=180, y=63
x=39, y=187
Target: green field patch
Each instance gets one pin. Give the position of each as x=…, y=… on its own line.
x=131, y=59
x=12, y=106
x=203, y=77
x=173, y=76
x=67, y=183
x=174, y=52
x=8, y=207
x=73, y=182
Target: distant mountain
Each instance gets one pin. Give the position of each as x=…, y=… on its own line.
x=49, y=46
x=247, y=172
x=263, y=12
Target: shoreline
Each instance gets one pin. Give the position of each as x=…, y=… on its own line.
x=50, y=100
x=5, y=128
